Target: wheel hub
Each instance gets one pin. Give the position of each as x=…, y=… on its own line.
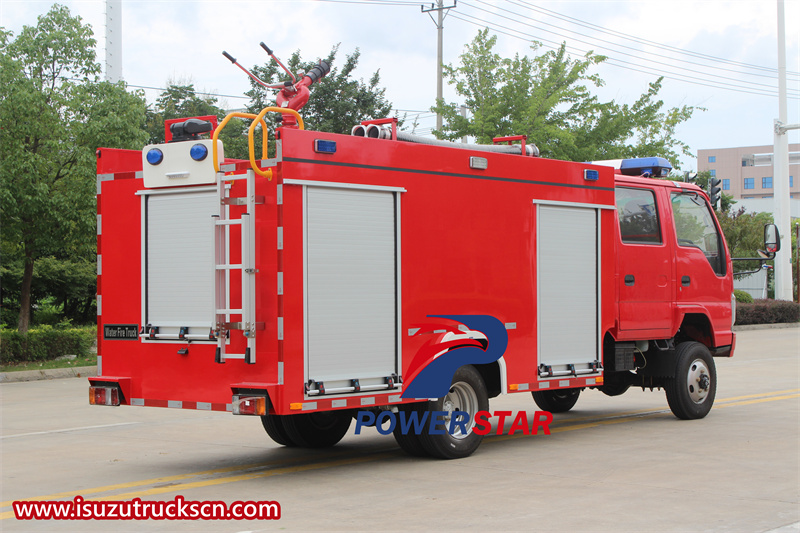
x=461, y=397
x=698, y=381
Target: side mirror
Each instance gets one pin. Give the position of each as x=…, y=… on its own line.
x=772, y=239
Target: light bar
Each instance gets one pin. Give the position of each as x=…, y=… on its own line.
x=645, y=166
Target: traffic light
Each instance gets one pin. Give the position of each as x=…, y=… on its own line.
x=714, y=190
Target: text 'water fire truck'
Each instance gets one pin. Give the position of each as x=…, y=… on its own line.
x=323, y=282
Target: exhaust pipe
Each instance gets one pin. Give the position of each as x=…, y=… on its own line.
x=359, y=131
x=374, y=131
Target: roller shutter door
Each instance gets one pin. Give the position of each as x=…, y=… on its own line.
x=351, y=285
x=568, y=296
x=179, y=269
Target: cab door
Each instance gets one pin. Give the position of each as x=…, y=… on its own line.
x=702, y=278
x=645, y=275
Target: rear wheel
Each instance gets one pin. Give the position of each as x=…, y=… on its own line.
x=467, y=395
x=273, y=424
x=411, y=442
x=691, y=393
x=317, y=430
x=614, y=388
x=556, y=401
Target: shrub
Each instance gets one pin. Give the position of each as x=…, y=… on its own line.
x=44, y=343
x=742, y=297
x=767, y=312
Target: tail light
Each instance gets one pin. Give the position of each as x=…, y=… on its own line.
x=249, y=405
x=104, y=396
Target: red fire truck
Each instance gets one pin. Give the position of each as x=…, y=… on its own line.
x=300, y=288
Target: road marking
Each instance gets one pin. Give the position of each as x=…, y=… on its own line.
x=569, y=425
x=179, y=487
x=67, y=430
x=760, y=400
x=169, y=479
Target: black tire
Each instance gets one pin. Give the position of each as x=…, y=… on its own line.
x=614, y=389
x=556, y=401
x=691, y=393
x=411, y=442
x=317, y=430
x=467, y=393
x=273, y=424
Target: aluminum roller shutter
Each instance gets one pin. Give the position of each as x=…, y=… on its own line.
x=180, y=252
x=351, y=285
x=567, y=266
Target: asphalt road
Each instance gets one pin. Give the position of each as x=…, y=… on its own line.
x=611, y=464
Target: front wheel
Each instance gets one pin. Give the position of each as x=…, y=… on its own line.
x=556, y=401
x=467, y=396
x=691, y=393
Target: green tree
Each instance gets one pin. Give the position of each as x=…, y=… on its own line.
x=55, y=112
x=744, y=233
x=338, y=102
x=178, y=101
x=548, y=98
x=182, y=101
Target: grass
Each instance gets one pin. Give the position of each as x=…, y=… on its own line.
x=90, y=360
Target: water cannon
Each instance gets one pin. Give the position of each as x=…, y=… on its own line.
x=292, y=94
x=189, y=130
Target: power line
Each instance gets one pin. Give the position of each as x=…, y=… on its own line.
x=619, y=63
x=625, y=36
x=755, y=84
x=195, y=92
x=371, y=2
x=651, y=44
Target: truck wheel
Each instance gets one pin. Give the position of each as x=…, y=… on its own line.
x=273, y=424
x=317, y=430
x=411, y=442
x=614, y=389
x=556, y=401
x=467, y=394
x=690, y=394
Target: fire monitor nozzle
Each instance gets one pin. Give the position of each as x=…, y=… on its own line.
x=189, y=130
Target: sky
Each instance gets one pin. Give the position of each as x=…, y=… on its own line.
x=715, y=54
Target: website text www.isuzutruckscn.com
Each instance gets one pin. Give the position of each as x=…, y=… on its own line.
x=177, y=509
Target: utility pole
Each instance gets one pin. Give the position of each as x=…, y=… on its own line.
x=439, y=21
x=113, y=40
x=780, y=160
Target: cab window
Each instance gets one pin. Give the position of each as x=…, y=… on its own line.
x=638, y=216
x=695, y=228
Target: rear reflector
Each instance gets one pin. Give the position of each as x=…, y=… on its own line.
x=103, y=395
x=249, y=405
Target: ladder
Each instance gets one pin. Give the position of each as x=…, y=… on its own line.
x=223, y=269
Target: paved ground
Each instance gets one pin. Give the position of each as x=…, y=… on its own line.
x=612, y=464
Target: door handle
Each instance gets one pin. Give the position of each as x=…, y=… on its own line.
x=686, y=281
x=630, y=280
